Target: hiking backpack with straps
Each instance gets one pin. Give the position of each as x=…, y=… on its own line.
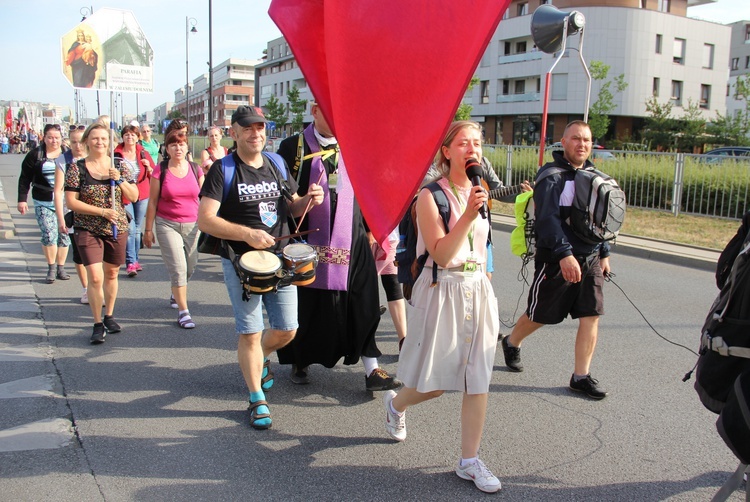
x=408, y=263
x=596, y=214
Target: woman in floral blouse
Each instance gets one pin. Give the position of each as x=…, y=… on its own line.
x=88, y=194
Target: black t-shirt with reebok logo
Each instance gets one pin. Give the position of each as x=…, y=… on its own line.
x=254, y=199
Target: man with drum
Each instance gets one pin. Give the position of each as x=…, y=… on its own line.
x=252, y=216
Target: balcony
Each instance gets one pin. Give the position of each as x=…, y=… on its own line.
x=518, y=98
x=517, y=58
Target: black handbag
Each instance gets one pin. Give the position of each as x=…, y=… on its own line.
x=208, y=244
x=68, y=219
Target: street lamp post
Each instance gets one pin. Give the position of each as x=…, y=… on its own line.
x=189, y=28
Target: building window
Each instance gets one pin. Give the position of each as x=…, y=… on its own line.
x=522, y=9
x=708, y=56
x=485, y=91
x=747, y=32
x=507, y=47
x=506, y=87
x=655, y=87
x=520, y=47
x=236, y=82
x=658, y=43
x=506, y=14
x=735, y=63
x=538, y=85
x=747, y=62
x=520, y=87
x=664, y=5
x=676, y=93
x=705, y=101
x=678, y=55
x=728, y=90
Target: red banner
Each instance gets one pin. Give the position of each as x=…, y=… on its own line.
x=388, y=76
x=9, y=119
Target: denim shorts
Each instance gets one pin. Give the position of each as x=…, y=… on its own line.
x=281, y=306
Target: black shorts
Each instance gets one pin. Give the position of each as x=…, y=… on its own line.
x=552, y=298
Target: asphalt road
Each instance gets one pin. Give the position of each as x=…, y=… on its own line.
x=159, y=413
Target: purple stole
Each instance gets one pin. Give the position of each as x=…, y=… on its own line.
x=333, y=245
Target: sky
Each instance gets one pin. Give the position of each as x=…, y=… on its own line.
x=241, y=29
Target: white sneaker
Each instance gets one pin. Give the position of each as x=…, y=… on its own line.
x=85, y=297
x=482, y=477
x=395, y=424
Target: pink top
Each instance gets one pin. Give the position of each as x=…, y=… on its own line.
x=481, y=229
x=179, y=196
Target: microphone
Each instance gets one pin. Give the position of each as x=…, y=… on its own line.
x=474, y=172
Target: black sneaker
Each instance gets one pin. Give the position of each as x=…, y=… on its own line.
x=97, y=336
x=110, y=324
x=589, y=386
x=380, y=380
x=512, y=356
x=299, y=375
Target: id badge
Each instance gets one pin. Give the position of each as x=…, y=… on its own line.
x=470, y=265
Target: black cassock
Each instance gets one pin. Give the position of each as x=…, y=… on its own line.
x=334, y=324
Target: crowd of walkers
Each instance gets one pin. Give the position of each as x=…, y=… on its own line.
x=106, y=206
x=18, y=141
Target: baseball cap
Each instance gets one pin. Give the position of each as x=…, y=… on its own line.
x=246, y=115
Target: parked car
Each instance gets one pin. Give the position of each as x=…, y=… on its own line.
x=727, y=153
x=598, y=156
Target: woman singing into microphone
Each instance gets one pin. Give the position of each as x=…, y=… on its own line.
x=453, y=325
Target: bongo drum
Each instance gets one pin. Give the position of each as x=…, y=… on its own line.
x=259, y=271
x=300, y=260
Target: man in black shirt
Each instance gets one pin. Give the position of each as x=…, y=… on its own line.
x=252, y=215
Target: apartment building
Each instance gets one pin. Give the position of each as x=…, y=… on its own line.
x=277, y=75
x=660, y=51
x=233, y=85
x=739, y=63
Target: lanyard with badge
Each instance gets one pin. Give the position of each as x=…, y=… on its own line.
x=471, y=262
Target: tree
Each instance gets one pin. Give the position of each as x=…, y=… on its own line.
x=464, y=109
x=276, y=112
x=727, y=130
x=175, y=114
x=297, y=108
x=659, y=128
x=604, y=105
x=692, y=125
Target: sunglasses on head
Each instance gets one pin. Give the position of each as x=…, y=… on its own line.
x=51, y=126
x=77, y=128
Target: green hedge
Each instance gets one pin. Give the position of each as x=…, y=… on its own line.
x=648, y=179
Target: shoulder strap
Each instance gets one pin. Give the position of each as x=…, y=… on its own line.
x=442, y=202
x=195, y=168
x=278, y=161
x=549, y=172
x=228, y=166
x=444, y=209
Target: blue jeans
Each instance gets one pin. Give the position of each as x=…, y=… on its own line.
x=281, y=306
x=138, y=212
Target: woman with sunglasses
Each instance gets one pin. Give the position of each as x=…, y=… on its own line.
x=141, y=166
x=88, y=193
x=176, y=125
x=38, y=175
x=149, y=143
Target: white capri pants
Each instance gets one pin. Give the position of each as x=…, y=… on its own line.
x=178, y=243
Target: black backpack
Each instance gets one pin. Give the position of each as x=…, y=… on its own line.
x=409, y=265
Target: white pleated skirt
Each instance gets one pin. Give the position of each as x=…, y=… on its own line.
x=451, y=333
